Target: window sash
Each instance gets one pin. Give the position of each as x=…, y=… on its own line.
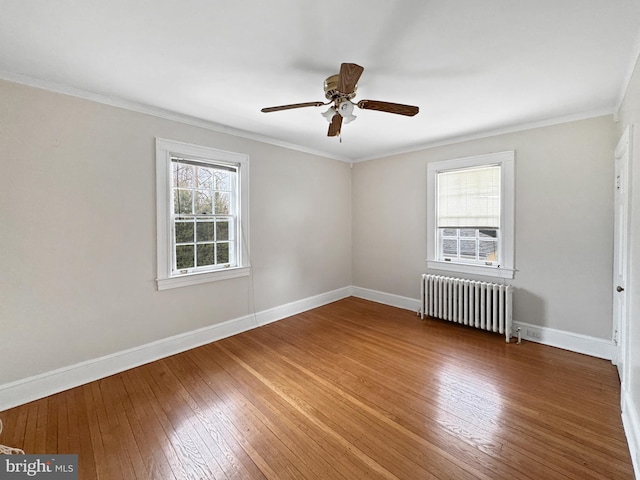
x=472, y=246
x=198, y=163
x=221, y=242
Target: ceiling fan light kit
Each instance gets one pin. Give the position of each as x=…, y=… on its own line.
x=339, y=90
x=346, y=111
x=328, y=115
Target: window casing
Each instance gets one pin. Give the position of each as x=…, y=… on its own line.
x=473, y=231
x=202, y=201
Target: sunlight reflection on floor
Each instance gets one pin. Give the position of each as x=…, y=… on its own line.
x=469, y=407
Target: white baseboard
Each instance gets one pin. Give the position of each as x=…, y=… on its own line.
x=278, y=313
x=40, y=386
x=631, y=423
x=386, y=298
x=575, y=342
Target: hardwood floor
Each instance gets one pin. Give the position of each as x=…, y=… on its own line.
x=352, y=390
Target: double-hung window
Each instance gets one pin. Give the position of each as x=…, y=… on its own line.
x=202, y=214
x=470, y=215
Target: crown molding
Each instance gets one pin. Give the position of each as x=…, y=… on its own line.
x=494, y=133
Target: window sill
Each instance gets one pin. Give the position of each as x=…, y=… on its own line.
x=197, y=278
x=484, y=270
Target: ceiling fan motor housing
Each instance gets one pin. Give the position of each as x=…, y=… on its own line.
x=331, y=89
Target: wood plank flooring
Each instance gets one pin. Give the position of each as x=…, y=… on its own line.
x=351, y=390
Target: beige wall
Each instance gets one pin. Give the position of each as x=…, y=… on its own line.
x=630, y=115
x=564, y=227
x=78, y=232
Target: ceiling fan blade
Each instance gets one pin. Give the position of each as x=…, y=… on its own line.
x=293, y=105
x=400, y=109
x=336, y=124
x=348, y=77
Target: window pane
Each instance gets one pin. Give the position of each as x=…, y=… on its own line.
x=184, y=256
x=468, y=232
x=450, y=248
x=222, y=230
x=450, y=232
x=468, y=249
x=488, y=233
x=205, y=254
x=204, y=233
x=184, y=232
x=223, y=180
x=204, y=178
x=223, y=253
x=488, y=250
x=203, y=205
x=223, y=202
x=182, y=201
x=182, y=175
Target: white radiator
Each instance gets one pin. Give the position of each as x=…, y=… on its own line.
x=478, y=304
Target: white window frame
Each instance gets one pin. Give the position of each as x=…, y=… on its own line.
x=165, y=150
x=505, y=266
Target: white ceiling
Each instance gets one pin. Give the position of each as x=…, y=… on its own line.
x=473, y=67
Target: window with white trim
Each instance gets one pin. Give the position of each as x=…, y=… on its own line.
x=202, y=201
x=470, y=219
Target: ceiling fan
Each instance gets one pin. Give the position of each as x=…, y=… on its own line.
x=340, y=89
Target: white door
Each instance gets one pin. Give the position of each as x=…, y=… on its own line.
x=620, y=256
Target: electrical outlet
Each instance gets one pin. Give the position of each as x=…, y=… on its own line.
x=533, y=334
